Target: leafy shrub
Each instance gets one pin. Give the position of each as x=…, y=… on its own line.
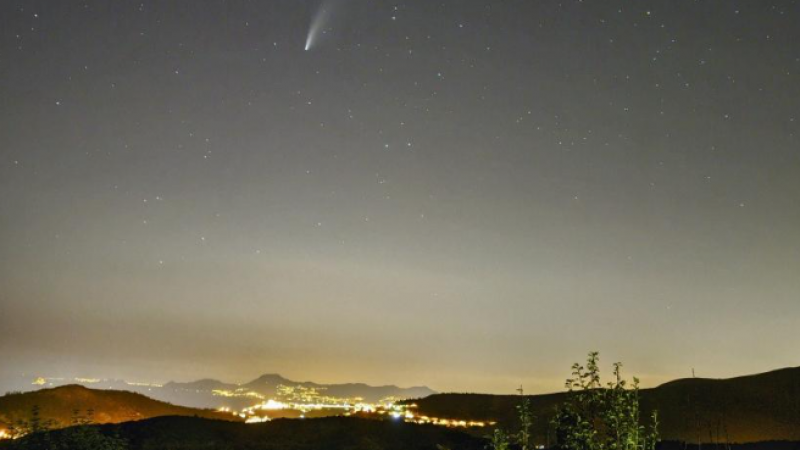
x=602, y=418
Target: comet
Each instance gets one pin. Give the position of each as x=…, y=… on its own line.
x=318, y=25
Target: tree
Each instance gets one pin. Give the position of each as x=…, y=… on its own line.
x=85, y=436
x=36, y=434
x=602, y=418
x=88, y=437
x=499, y=440
x=35, y=429
x=525, y=421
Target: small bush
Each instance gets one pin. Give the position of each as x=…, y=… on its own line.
x=595, y=417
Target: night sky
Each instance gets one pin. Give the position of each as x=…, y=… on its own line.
x=465, y=194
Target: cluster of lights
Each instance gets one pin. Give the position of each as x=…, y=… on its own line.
x=311, y=395
x=451, y=422
x=236, y=393
x=405, y=413
x=272, y=405
x=41, y=381
x=151, y=385
x=257, y=419
x=386, y=408
x=301, y=399
x=6, y=434
x=291, y=394
x=88, y=380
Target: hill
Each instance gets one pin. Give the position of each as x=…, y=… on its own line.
x=333, y=433
x=59, y=404
x=763, y=407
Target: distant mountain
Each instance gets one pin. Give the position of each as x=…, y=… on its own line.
x=60, y=404
x=333, y=433
x=268, y=379
x=275, y=386
x=752, y=408
x=210, y=393
x=201, y=385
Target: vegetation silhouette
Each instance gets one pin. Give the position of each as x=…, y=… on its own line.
x=591, y=417
x=597, y=417
x=82, y=435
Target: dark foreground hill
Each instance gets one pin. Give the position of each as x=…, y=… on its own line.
x=59, y=405
x=332, y=433
x=764, y=407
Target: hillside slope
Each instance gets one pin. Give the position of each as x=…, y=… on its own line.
x=58, y=405
x=752, y=408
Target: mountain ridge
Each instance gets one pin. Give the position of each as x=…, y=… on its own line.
x=748, y=408
x=768, y=373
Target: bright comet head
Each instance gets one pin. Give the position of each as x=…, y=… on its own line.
x=317, y=26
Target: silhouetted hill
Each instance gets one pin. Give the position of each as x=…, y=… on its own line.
x=764, y=407
x=269, y=379
x=333, y=433
x=205, y=384
x=743, y=409
x=58, y=405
